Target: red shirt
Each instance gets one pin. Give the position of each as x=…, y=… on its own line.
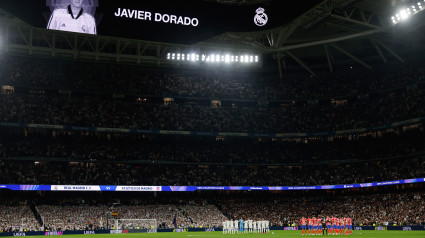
x=303, y=221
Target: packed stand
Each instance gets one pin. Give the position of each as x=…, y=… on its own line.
x=120, y=96
x=75, y=173
x=299, y=117
x=17, y=217
x=379, y=209
x=393, y=206
x=198, y=83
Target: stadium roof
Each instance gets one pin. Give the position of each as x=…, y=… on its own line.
x=337, y=29
x=327, y=34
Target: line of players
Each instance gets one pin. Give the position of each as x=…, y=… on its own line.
x=334, y=226
x=245, y=226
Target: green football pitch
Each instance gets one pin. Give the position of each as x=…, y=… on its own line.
x=275, y=234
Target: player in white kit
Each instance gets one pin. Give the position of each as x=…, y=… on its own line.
x=263, y=226
x=259, y=226
x=266, y=226
x=249, y=226
x=254, y=226
x=245, y=226
x=235, y=226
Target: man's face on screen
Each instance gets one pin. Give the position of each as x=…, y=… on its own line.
x=77, y=3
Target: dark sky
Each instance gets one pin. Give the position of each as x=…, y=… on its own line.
x=214, y=18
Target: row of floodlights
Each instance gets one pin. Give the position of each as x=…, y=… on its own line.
x=213, y=58
x=405, y=13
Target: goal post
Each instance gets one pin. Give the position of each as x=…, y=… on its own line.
x=150, y=225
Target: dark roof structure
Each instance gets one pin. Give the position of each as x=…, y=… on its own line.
x=330, y=33
x=334, y=31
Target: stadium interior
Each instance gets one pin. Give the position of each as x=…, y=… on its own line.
x=337, y=97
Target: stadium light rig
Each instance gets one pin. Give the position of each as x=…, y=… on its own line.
x=405, y=13
x=214, y=58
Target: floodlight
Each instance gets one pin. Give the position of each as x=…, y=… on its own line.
x=403, y=14
x=168, y=56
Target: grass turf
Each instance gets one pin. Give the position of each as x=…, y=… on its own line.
x=277, y=234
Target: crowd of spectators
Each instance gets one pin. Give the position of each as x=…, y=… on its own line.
x=98, y=147
x=362, y=99
x=82, y=216
x=97, y=112
x=75, y=173
x=71, y=217
x=119, y=96
x=48, y=157
x=378, y=208
x=203, y=215
x=207, y=83
x=17, y=217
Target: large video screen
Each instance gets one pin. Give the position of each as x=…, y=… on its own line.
x=177, y=21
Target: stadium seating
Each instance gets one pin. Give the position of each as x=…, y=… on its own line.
x=387, y=101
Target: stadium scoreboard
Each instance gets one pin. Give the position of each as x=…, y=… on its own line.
x=178, y=21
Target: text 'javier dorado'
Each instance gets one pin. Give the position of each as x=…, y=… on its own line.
x=158, y=17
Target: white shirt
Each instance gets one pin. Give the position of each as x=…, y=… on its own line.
x=62, y=19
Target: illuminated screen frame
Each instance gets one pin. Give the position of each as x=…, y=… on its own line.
x=118, y=188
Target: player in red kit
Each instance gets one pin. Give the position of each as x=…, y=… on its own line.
x=334, y=221
x=310, y=226
x=319, y=226
x=345, y=226
x=328, y=225
x=303, y=222
x=350, y=226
